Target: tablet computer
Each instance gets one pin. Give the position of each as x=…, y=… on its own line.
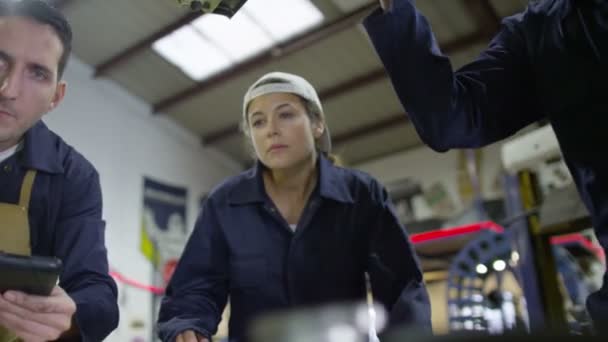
x=35, y=275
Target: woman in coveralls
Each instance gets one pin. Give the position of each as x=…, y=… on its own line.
x=293, y=231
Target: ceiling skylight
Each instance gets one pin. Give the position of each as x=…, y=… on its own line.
x=239, y=38
x=197, y=57
x=283, y=19
x=213, y=43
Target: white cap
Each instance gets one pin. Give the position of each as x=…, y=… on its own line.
x=281, y=82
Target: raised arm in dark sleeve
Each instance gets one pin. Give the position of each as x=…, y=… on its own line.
x=483, y=102
x=394, y=269
x=198, y=291
x=80, y=244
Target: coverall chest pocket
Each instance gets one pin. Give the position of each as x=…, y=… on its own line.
x=248, y=272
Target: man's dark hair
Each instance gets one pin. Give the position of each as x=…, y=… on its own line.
x=43, y=13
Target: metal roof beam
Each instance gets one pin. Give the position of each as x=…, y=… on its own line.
x=128, y=53
x=356, y=82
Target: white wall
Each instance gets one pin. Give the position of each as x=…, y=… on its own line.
x=428, y=167
x=119, y=135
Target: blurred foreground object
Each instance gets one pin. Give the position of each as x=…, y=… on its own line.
x=332, y=323
x=226, y=8
x=401, y=336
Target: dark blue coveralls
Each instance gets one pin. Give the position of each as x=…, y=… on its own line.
x=242, y=247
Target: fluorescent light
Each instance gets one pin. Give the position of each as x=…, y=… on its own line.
x=283, y=19
x=499, y=265
x=481, y=269
x=239, y=37
x=186, y=49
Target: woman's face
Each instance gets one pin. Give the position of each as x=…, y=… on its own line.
x=281, y=130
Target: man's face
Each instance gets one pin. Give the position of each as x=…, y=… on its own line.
x=29, y=60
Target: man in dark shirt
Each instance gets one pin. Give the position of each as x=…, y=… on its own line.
x=549, y=62
x=50, y=196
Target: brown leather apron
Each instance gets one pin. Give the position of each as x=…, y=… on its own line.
x=15, y=232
